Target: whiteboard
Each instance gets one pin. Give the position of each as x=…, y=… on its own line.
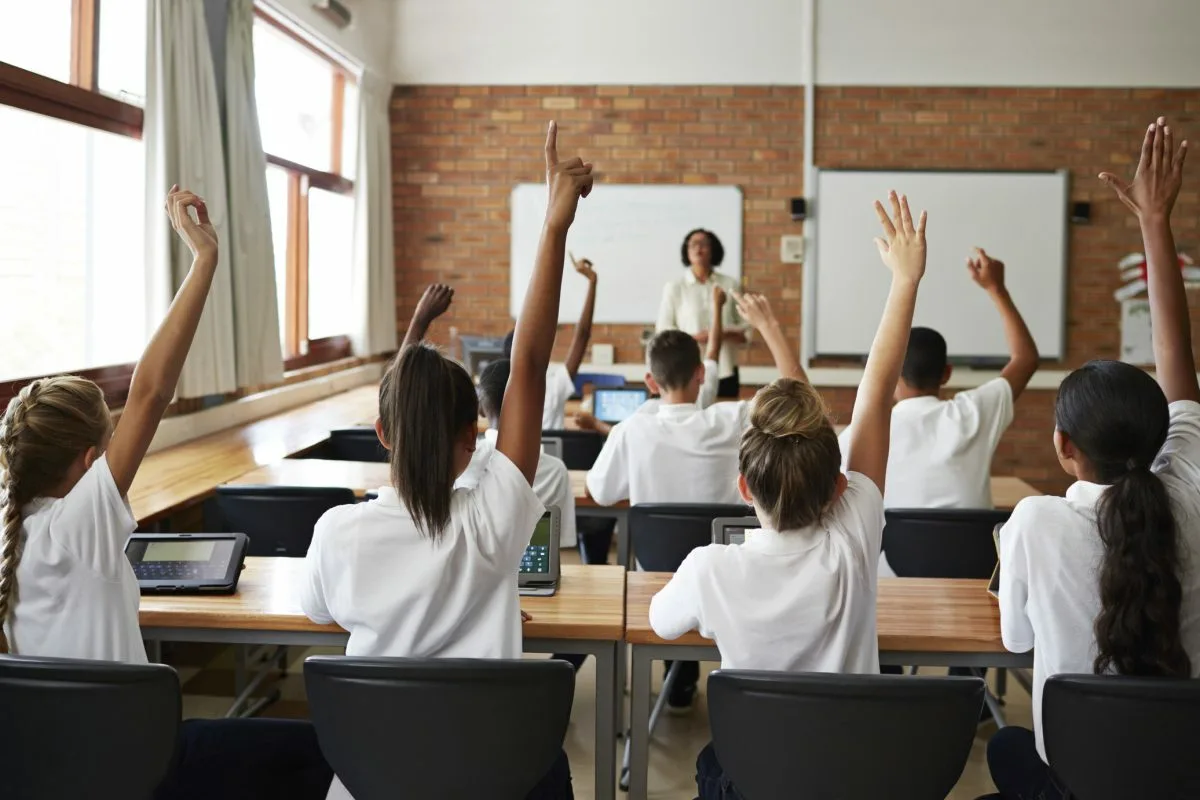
x=632, y=233
x=1018, y=217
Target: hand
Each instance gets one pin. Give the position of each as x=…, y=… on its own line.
x=584, y=267
x=701, y=337
x=201, y=238
x=755, y=309
x=567, y=181
x=1158, y=177
x=904, y=249
x=718, y=297
x=585, y=421
x=988, y=272
x=433, y=303
x=525, y=617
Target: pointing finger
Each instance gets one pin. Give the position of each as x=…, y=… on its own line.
x=552, y=144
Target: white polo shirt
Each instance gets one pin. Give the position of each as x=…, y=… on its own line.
x=559, y=388
x=77, y=596
x=1050, y=552
x=798, y=601
x=552, y=483
x=678, y=453
x=687, y=305
x=941, y=450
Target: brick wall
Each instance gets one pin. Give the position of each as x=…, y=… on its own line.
x=457, y=151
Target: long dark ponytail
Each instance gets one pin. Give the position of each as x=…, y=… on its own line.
x=1117, y=417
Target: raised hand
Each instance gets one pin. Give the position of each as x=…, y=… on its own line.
x=903, y=251
x=585, y=421
x=433, y=303
x=1159, y=174
x=200, y=237
x=718, y=297
x=567, y=181
x=583, y=266
x=755, y=309
x=986, y=271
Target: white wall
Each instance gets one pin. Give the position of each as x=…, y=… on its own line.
x=1009, y=42
x=369, y=39
x=599, y=41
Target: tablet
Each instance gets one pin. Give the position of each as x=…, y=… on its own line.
x=539, y=568
x=187, y=563
x=615, y=405
x=732, y=530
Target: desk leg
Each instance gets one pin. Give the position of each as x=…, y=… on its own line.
x=607, y=699
x=622, y=682
x=639, y=723
x=622, y=517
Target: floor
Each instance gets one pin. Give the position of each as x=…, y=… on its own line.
x=207, y=675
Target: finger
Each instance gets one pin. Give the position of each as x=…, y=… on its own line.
x=1168, y=149
x=1180, y=156
x=885, y=220
x=586, y=189
x=202, y=211
x=897, y=214
x=1147, y=150
x=921, y=224
x=1157, y=151
x=906, y=215
x=882, y=245
x=551, y=144
x=571, y=256
x=1115, y=185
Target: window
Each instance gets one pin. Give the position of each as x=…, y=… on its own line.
x=72, y=206
x=307, y=111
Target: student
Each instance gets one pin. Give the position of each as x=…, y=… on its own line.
x=799, y=595
x=425, y=570
x=1106, y=579
x=560, y=378
x=681, y=453
x=941, y=453
x=66, y=587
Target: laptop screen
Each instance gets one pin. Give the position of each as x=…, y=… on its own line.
x=615, y=405
x=736, y=534
x=536, y=560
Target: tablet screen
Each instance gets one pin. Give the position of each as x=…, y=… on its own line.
x=536, y=560
x=180, y=559
x=615, y=405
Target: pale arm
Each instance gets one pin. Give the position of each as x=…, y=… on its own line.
x=433, y=304
x=757, y=311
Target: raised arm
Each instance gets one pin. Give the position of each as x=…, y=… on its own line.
x=988, y=272
x=583, y=331
x=433, y=304
x=712, y=347
x=757, y=311
x=521, y=416
x=157, y=372
x=1151, y=196
x=904, y=253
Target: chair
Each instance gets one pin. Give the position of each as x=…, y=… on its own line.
x=278, y=519
x=355, y=444
x=783, y=735
x=86, y=728
x=1110, y=737
x=580, y=449
x=598, y=380
x=552, y=446
x=445, y=728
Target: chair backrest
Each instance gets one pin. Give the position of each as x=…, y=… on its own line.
x=278, y=519
x=580, y=448
x=783, y=735
x=598, y=380
x=86, y=728
x=446, y=728
x=662, y=534
x=355, y=444
x=941, y=542
x=1110, y=737
x=552, y=446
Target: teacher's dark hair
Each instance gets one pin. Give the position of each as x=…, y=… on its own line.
x=1117, y=417
x=718, y=249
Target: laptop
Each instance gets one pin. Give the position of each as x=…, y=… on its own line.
x=732, y=530
x=615, y=405
x=539, y=569
x=187, y=563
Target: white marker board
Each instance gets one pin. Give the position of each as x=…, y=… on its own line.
x=632, y=233
x=1018, y=217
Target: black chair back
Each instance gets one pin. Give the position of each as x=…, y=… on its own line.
x=941, y=542
x=446, y=728
x=662, y=534
x=580, y=449
x=356, y=444
x=278, y=519
x=783, y=735
x=1110, y=737
x=86, y=728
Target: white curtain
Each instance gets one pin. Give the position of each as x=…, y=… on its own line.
x=182, y=135
x=252, y=258
x=373, y=270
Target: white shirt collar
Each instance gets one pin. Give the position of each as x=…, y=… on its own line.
x=677, y=409
x=918, y=402
x=1085, y=493
x=768, y=540
x=692, y=280
x=491, y=435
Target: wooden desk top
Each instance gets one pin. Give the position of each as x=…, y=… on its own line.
x=579, y=489
x=360, y=476
x=914, y=615
x=179, y=476
x=1007, y=491
x=590, y=604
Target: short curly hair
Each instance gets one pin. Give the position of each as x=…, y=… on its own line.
x=718, y=249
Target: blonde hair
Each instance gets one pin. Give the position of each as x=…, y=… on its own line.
x=45, y=428
x=790, y=455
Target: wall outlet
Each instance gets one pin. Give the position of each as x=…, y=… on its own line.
x=791, y=249
x=602, y=355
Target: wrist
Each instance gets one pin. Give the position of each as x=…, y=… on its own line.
x=204, y=261
x=1154, y=219
x=905, y=282
x=998, y=292
x=556, y=228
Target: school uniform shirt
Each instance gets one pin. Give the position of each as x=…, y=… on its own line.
x=679, y=453
x=800, y=600
x=552, y=483
x=941, y=450
x=77, y=596
x=1050, y=554
x=559, y=388
x=687, y=305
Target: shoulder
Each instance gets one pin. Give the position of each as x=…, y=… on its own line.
x=995, y=391
x=1036, y=514
x=724, y=280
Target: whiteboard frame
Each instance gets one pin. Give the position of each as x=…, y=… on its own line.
x=808, y=327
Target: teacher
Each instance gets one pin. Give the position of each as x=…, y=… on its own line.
x=687, y=304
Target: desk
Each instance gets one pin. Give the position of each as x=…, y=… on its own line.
x=1007, y=491
x=920, y=622
x=359, y=476
x=586, y=616
x=176, y=477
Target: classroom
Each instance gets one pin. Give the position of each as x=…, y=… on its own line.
x=546, y=400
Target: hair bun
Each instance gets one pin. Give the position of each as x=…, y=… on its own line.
x=789, y=407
